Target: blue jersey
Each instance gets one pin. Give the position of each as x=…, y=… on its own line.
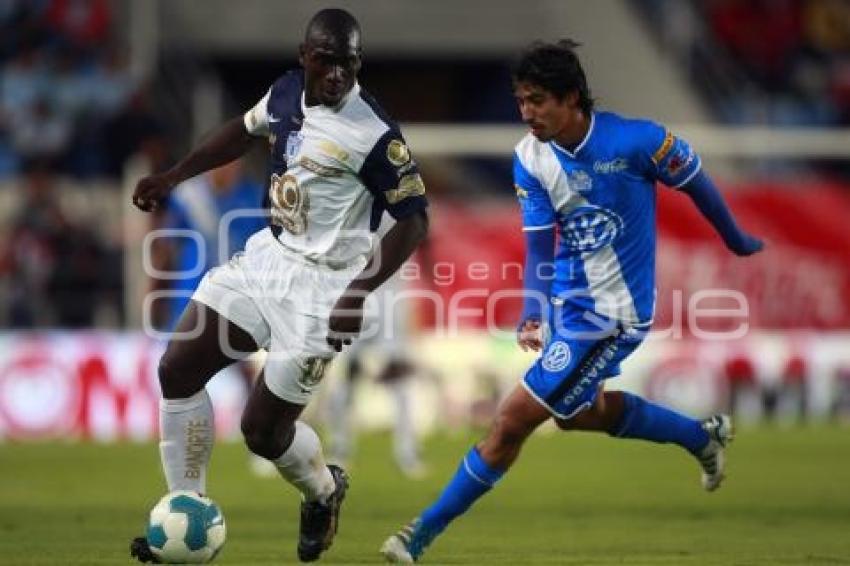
x=601, y=198
x=195, y=206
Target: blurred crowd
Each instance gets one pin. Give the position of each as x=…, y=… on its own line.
x=70, y=111
x=67, y=96
x=784, y=62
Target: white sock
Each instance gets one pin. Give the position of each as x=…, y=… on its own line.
x=303, y=465
x=187, y=433
x=340, y=427
x=405, y=442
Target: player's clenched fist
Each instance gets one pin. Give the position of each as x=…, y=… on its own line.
x=346, y=320
x=151, y=191
x=530, y=335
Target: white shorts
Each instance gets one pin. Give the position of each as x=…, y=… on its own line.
x=283, y=301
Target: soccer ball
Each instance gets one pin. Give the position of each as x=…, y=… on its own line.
x=185, y=528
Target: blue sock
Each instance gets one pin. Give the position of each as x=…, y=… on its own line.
x=648, y=421
x=473, y=479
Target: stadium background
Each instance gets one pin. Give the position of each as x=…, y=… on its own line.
x=95, y=93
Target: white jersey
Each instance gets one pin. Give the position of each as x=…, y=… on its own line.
x=333, y=171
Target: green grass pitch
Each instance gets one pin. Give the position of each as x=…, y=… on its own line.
x=571, y=499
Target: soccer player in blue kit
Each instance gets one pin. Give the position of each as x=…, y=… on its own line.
x=589, y=176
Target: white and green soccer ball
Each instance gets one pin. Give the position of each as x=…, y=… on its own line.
x=186, y=528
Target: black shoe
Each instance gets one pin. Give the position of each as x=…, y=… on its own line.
x=319, y=521
x=141, y=551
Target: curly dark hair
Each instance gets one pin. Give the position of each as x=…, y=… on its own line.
x=556, y=68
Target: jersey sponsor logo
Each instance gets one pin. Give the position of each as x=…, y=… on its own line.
x=290, y=204
x=520, y=192
x=408, y=186
x=579, y=180
x=293, y=144
x=397, y=153
x=557, y=356
x=332, y=150
x=608, y=167
x=318, y=168
x=590, y=228
x=666, y=145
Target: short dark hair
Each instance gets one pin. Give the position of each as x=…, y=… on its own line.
x=335, y=22
x=556, y=68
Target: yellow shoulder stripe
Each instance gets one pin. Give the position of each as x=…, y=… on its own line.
x=662, y=151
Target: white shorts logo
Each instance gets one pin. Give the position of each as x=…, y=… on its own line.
x=557, y=357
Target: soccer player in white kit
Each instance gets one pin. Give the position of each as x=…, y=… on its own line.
x=337, y=163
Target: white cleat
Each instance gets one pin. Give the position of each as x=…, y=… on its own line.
x=712, y=458
x=395, y=551
x=408, y=544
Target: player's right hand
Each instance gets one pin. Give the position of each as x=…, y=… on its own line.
x=151, y=191
x=530, y=335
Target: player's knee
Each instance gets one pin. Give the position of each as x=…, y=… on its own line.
x=258, y=438
x=506, y=433
x=266, y=438
x=171, y=379
x=589, y=419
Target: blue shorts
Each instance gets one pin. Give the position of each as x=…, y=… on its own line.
x=566, y=377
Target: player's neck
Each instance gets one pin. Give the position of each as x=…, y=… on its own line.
x=574, y=132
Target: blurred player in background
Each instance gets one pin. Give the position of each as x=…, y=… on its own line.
x=385, y=336
x=200, y=205
x=589, y=176
x=337, y=164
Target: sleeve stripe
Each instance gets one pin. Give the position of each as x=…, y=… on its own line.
x=662, y=151
x=689, y=177
x=537, y=228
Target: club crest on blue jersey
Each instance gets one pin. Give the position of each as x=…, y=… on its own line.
x=557, y=356
x=590, y=228
x=293, y=144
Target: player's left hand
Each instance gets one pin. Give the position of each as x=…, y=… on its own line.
x=748, y=245
x=530, y=335
x=346, y=320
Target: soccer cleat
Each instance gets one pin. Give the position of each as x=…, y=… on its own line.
x=408, y=544
x=141, y=551
x=712, y=458
x=319, y=521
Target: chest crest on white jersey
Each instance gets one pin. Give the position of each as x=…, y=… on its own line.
x=293, y=145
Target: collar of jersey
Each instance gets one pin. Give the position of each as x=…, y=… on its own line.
x=319, y=108
x=584, y=141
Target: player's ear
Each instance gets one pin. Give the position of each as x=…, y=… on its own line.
x=302, y=53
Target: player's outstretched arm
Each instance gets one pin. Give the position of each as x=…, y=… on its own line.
x=537, y=281
x=395, y=247
x=710, y=203
x=229, y=141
